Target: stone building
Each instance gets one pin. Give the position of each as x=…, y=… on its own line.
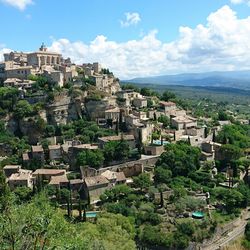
x=95, y=186
x=43, y=62
x=23, y=178
x=37, y=153
x=130, y=139
x=183, y=122
x=55, y=152
x=46, y=174
x=43, y=57
x=140, y=102
x=11, y=169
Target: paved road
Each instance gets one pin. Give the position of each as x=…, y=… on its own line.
x=230, y=236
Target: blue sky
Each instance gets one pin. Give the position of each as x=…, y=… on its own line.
x=133, y=37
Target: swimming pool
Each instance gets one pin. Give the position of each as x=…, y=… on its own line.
x=198, y=215
x=158, y=142
x=91, y=214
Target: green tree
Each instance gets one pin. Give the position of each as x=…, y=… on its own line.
x=164, y=120
x=162, y=175
x=167, y=96
x=22, y=109
x=93, y=158
x=180, y=158
x=142, y=181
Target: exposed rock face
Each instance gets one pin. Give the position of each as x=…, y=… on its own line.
x=64, y=109
x=95, y=109
x=30, y=128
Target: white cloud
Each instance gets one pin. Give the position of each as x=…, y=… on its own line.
x=240, y=2
x=2, y=51
x=222, y=44
x=20, y=4
x=131, y=19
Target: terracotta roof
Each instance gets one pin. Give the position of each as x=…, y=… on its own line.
x=26, y=156
x=57, y=180
x=37, y=148
x=44, y=171
x=24, y=175
x=86, y=146
x=76, y=181
x=120, y=176
x=11, y=167
x=54, y=147
x=183, y=119
x=110, y=175
x=111, y=110
x=96, y=181
x=117, y=138
x=167, y=103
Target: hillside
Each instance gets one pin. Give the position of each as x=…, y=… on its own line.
x=230, y=79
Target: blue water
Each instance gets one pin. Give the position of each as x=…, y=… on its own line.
x=91, y=214
x=158, y=142
x=198, y=214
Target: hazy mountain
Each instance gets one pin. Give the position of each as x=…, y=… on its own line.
x=230, y=79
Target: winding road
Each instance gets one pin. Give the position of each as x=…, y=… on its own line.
x=230, y=236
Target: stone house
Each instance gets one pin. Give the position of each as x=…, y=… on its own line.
x=140, y=102
x=11, y=169
x=46, y=174
x=37, y=153
x=112, y=114
x=114, y=178
x=211, y=151
x=55, y=152
x=95, y=186
x=183, y=122
x=23, y=178
x=18, y=83
x=60, y=181
x=167, y=106
x=130, y=139
x=154, y=149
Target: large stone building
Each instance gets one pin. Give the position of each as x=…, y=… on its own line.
x=42, y=62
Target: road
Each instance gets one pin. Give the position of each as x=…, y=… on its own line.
x=230, y=236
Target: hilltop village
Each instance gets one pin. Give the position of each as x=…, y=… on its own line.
x=97, y=145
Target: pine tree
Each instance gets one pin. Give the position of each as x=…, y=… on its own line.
x=5, y=194
x=214, y=136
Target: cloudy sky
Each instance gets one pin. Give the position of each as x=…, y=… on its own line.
x=133, y=37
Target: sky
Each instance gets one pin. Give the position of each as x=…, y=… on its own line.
x=133, y=38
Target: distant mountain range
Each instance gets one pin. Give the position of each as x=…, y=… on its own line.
x=230, y=79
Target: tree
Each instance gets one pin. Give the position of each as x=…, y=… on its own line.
x=122, y=150
x=8, y=98
x=167, y=96
x=22, y=109
x=5, y=194
x=186, y=228
x=230, y=152
x=142, y=181
x=162, y=175
x=50, y=130
x=232, y=198
x=23, y=194
x=146, y=91
x=222, y=116
x=164, y=120
x=180, y=158
x=93, y=158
